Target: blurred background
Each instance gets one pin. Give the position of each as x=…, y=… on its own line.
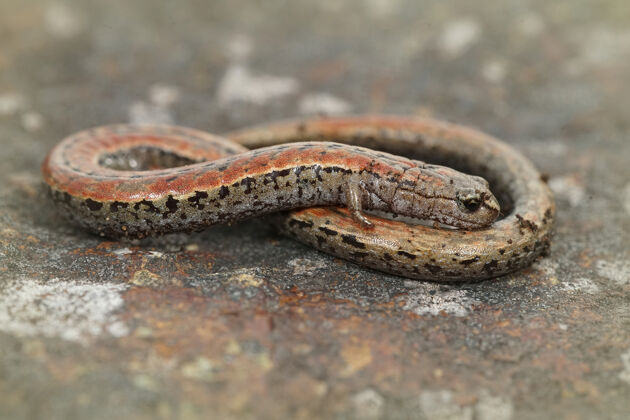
x=241, y=323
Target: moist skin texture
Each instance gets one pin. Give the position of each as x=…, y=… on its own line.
x=115, y=181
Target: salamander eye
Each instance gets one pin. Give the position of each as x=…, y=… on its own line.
x=469, y=200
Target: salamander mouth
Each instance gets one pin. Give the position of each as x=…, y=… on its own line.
x=470, y=219
x=447, y=222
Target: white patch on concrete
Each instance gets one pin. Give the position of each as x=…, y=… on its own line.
x=458, y=36
x=246, y=278
x=191, y=247
x=494, y=71
x=323, y=103
x=547, y=267
x=440, y=405
x=117, y=329
x=145, y=382
x=368, y=404
x=123, y=251
x=141, y=112
x=624, y=375
x=11, y=103
x=305, y=266
x=530, y=25
x=62, y=21
x=554, y=147
x=569, y=188
x=32, y=121
x=601, y=47
x=581, y=284
x=239, y=85
x=201, y=369
x=155, y=254
x=71, y=310
x=606, y=45
x=157, y=109
x=239, y=48
x=625, y=198
x=411, y=284
x=431, y=299
x=163, y=95
x=616, y=271
x=493, y=408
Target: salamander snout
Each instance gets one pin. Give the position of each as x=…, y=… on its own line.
x=476, y=205
x=447, y=196
x=477, y=208
x=461, y=200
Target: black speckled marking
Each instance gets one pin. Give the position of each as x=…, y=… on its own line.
x=433, y=269
x=148, y=206
x=93, y=205
x=196, y=199
x=223, y=192
x=328, y=232
x=248, y=182
x=407, y=255
x=526, y=224
x=172, y=205
x=360, y=255
x=490, y=266
x=469, y=261
x=352, y=240
x=300, y=224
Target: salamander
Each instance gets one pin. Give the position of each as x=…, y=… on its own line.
x=135, y=181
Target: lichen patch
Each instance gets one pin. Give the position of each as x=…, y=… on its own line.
x=71, y=310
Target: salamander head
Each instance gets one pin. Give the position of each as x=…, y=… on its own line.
x=447, y=196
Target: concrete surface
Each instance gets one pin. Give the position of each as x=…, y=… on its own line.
x=238, y=322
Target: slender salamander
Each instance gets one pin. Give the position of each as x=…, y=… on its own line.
x=135, y=181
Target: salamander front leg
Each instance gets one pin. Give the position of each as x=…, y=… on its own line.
x=354, y=192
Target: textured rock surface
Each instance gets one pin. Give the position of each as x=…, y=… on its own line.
x=238, y=322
